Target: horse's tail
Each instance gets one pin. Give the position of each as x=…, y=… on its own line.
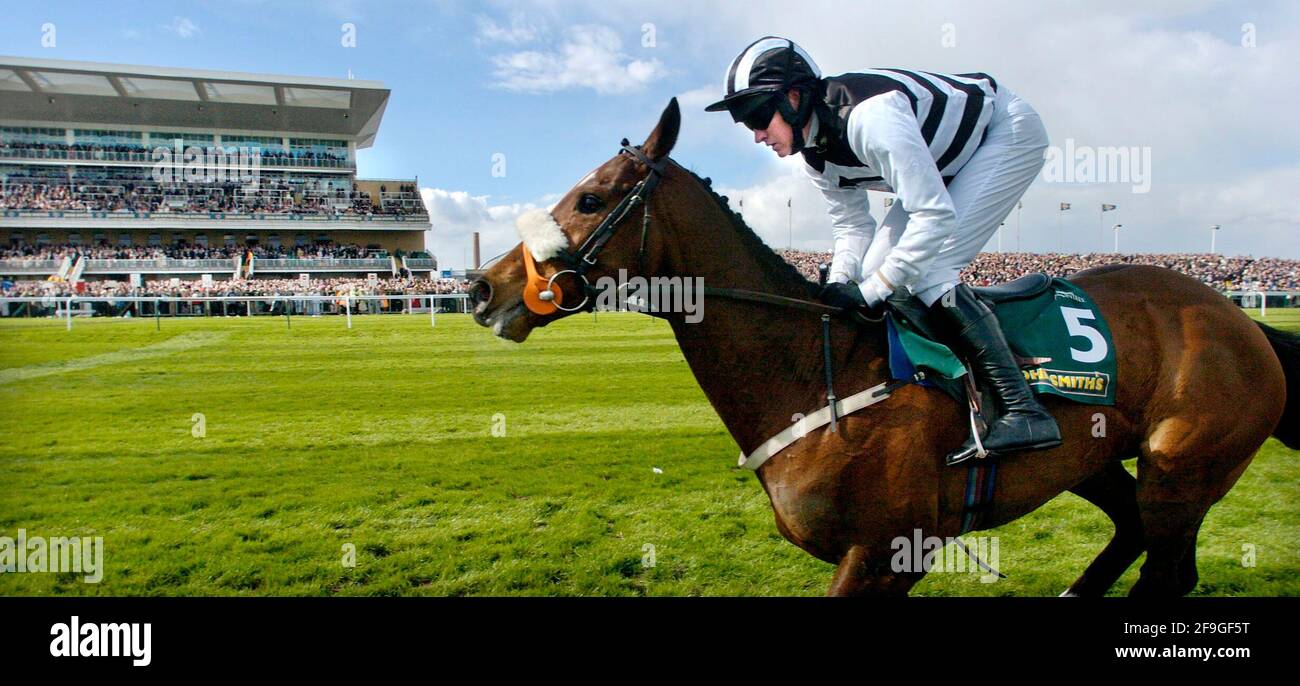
x=1287, y=347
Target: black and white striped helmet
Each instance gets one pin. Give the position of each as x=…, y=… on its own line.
x=768, y=65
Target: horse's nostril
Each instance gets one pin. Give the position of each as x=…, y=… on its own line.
x=480, y=292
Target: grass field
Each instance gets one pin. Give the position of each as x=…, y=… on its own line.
x=382, y=437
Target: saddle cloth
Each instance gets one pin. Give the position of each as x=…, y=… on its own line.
x=1051, y=324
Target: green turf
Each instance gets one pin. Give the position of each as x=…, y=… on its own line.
x=382, y=437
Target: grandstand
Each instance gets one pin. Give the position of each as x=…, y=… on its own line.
x=133, y=174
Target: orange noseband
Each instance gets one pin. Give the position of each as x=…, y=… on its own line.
x=536, y=285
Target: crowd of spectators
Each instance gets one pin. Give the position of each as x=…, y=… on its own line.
x=137, y=151
x=1217, y=271
x=103, y=251
x=39, y=252
x=338, y=286
x=268, y=196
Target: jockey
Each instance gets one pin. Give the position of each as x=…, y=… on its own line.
x=957, y=150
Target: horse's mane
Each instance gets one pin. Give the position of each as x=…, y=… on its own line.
x=773, y=264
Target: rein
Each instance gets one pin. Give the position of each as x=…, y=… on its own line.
x=543, y=296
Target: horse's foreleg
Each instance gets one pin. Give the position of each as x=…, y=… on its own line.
x=1113, y=490
x=860, y=573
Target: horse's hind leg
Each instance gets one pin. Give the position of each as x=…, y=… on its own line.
x=1113, y=490
x=1175, y=489
x=1171, y=530
x=860, y=573
x=1187, y=574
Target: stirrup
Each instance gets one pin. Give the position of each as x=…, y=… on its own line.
x=973, y=410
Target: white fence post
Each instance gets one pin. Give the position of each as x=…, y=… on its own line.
x=347, y=304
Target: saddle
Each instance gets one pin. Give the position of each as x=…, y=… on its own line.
x=917, y=313
x=1057, y=334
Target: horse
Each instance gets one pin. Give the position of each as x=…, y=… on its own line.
x=1200, y=387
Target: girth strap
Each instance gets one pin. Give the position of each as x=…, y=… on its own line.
x=821, y=418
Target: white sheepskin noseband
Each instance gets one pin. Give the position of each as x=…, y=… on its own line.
x=541, y=234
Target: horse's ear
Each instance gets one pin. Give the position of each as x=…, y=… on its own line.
x=664, y=137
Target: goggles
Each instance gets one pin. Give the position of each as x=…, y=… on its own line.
x=758, y=116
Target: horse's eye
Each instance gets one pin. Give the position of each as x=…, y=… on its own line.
x=589, y=203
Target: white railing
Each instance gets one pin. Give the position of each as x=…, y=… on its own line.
x=279, y=264
x=267, y=159
x=211, y=214
x=26, y=266
x=163, y=265
x=1250, y=298
x=244, y=305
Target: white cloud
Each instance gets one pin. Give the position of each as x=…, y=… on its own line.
x=1174, y=77
x=456, y=215
x=1171, y=76
x=182, y=26
x=766, y=213
x=519, y=31
x=587, y=57
x=699, y=98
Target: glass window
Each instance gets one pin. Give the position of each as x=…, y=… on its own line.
x=267, y=145
x=168, y=138
x=124, y=240
x=155, y=240
x=23, y=136
x=74, y=239
x=318, y=151
x=201, y=240
x=103, y=137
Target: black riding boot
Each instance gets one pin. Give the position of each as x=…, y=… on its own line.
x=1022, y=423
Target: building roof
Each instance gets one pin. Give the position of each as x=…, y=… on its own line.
x=68, y=92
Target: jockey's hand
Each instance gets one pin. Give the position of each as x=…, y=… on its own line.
x=845, y=295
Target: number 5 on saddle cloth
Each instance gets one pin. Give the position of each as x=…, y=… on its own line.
x=1052, y=326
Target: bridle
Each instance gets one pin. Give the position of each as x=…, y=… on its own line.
x=542, y=295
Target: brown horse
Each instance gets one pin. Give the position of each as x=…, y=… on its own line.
x=1200, y=388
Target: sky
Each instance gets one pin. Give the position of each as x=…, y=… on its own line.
x=499, y=107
